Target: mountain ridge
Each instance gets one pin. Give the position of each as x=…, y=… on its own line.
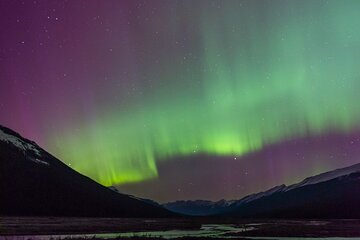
x=263, y=200
x=35, y=183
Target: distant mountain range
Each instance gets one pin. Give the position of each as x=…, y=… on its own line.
x=334, y=194
x=35, y=183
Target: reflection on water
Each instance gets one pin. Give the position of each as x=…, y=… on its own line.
x=222, y=231
x=206, y=231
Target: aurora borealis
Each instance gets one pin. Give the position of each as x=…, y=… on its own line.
x=151, y=95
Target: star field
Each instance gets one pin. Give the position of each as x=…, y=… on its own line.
x=165, y=98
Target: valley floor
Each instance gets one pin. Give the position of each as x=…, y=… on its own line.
x=181, y=228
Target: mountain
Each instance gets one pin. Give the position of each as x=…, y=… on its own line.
x=255, y=196
x=326, y=176
x=197, y=207
x=207, y=208
x=333, y=194
x=35, y=183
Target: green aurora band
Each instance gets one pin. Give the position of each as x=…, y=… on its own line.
x=258, y=73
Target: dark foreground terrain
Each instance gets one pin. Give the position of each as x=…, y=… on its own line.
x=50, y=226
x=199, y=228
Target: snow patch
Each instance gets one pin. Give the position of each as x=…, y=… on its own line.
x=22, y=145
x=326, y=176
x=38, y=161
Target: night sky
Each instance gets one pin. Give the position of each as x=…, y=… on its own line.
x=185, y=99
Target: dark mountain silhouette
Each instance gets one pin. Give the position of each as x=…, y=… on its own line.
x=198, y=207
x=35, y=183
x=330, y=195
x=333, y=194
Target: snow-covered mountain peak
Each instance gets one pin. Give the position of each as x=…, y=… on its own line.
x=326, y=176
x=23, y=145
